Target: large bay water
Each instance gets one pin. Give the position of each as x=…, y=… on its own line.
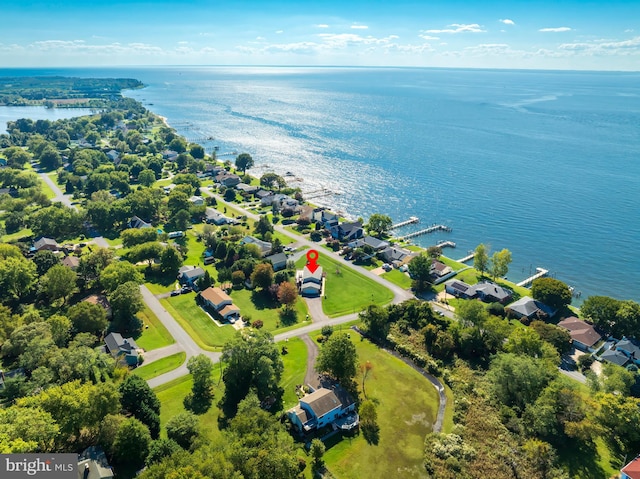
x=546, y=164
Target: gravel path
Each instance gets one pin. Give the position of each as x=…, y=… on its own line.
x=312, y=354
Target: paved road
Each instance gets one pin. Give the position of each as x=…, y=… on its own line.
x=183, y=340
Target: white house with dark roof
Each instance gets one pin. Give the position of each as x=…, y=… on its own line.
x=321, y=408
x=137, y=222
x=310, y=284
x=457, y=288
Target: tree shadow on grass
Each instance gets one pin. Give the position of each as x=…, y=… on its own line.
x=288, y=317
x=582, y=460
x=263, y=300
x=371, y=433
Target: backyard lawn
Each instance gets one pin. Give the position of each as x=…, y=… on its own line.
x=156, y=335
x=398, y=277
x=347, y=291
x=197, y=323
x=259, y=305
x=295, y=368
x=160, y=366
x=406, y=404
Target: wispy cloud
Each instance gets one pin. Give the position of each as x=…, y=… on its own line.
x=322, y=25
x=459, y=28
x=604, y=47
x=507, y=21
x=279, y=31
x=555, y=29
x=359, y=27
x=428, y=37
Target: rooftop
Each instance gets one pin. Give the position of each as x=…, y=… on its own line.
x=321, y=401
x=215, y=295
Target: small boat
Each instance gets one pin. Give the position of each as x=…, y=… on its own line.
x=288, y=173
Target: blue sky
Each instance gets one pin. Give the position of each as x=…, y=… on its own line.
x=543, y=34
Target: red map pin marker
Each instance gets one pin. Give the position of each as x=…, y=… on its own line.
x=312, y=260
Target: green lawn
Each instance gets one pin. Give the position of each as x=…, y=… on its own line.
x=346, y=290
x=17, y=235
x=173, y=393
x=160, y=288
x=156, y=335
x=406, y=404
x=398, y=277
x=160, y=366
x=46, y=189
x=295, y=368
x=197, y=323
x=259, y=305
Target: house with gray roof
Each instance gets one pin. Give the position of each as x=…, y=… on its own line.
x=321, y=408
x=245, y=188
x=47, y=244
x=279, y=261
x=265, y=246
x=213, y=216
x=630, y=348
x=123, y=348
x=490, y=292
x=188, y=275
x=615, y=357
x=457, y=288
x=137, y=222
x=394, y=253
x=530, y=308
x=310, y=284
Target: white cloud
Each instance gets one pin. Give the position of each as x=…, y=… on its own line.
x=629, y=30
x=604, y=47
x=260, y=39
x=322, y=25
x=507, y=21
x=279, y=31
x=459, y=28
x=183, y=43
x=555, y=29
x=428, y=37
x=359, y=27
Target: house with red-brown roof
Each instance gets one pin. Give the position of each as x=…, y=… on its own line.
x=583, y=335
x=631, y=470
x=220, y=302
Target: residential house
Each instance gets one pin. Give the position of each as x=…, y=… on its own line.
x=11, y=191
x=439, y=269
x=279, y=261
x=113, y=155
x=347, y=231
x=245, y=188
x=169, y=155
x=630, y=348
x=395, y=255
x=46, y=244
x=197, y=200
x=220, y=302
x=327, y=219
x=123, y=348
x=631, y=470
x=615, y=357
x=583, y=335
x=100, y=300
x=71, y=262
x=212, y=170
x=93, y=464
x=375, y=243
x=310, y=284
x=261, y=194
x=530, y=308
x=188, y=275
x=306, y=213
x=227, y=179
x=457, y=288
x=137, y=222
x=265, y=246
x=322, y=408
x=215, y=217
x=490, y=292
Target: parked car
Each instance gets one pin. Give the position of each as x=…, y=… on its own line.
x=176, y=292
x=186, y=289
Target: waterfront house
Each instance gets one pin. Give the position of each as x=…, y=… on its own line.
x=261, y=194
x=457, y=288
x=327, y=219
x=490, y=292
x=137, y=222
x=373, y=242
x=615, y=357
x=265, y=246
x=125, y=349
x=395, y=255
x=217, y=300
x=631, y=470
x=279, y=261
x=527, y=307
x=347, y=231
x=169, y=155
x=245, y=188
x=583, y=335
x=321, y=408
x=310, y=284
x=630, y=348
x=188, y=275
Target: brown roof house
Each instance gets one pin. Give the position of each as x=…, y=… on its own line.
x=583, y=335
x=221, y=303
x=322, y=408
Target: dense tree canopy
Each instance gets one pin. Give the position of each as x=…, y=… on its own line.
x=244, y=161
x=551, y=292
x=379, y=223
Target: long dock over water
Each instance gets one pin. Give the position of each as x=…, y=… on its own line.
x=446, y=244
x=540, y=273
x=469, y=257
x=411, y=220
x=430, y=229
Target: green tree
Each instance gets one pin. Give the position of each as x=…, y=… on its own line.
x=56, y=221
x=149, y=252
x=369, y=422
x=551, y=292
x=132, y=443
x=88, y=318
x=263, y=226
x=183, y=428
x=161, y=448
x=59, y=282
x=376, y=321
x=338, y=357
x=244, y=161
x=472, y=313
x=559, y=338
x=17, y=277
x=50, y=159
x=253, y=364
x=481, y=259
x=125, y=302
x=170, y=261
x=379, y=223
x=35, y=428
x=60, y=329
x=119, y=273
x=287, y=294
x=500, y=261
x=197, y=151
x=108, y=430
x=602, y=311
x=134, y=236
x=45, y=260
x=262, y=276
x=317, y=451
x=147, y=177
x=199, y=401
x=420, y=271
x=138, y=399
x=269, y=180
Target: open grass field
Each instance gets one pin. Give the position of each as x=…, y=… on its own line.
x=23, y=233
x=197, y=323
x=406, y=405
x=156, y=335
x=259, y=305
x=346, y=290
x=398, y=277
x=160, y=366
x=173, y=393
x=295, y=368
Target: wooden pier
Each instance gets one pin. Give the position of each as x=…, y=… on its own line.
x=540, y=273
x=430, y=229
x=319, y=193
x=410, y=221
x=446, y=244
x=469, y=257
